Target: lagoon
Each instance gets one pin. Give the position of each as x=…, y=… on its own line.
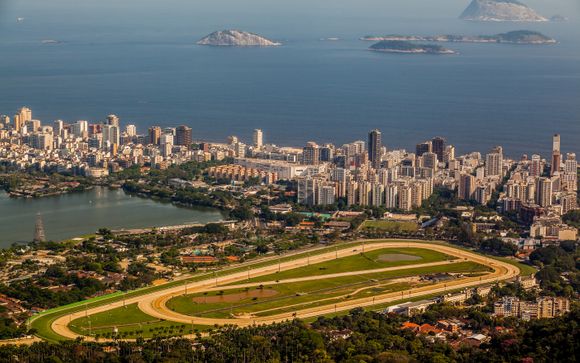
x=76, y=214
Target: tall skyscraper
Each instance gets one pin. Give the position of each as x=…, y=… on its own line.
x=111, y=135
x=183, y=136
x=556, y=156
x=375, y=146
x=438, y=146
x=258, y=138
x=154, y=135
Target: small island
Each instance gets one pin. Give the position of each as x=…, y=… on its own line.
x=236, y=38
x=501, y=10
x=396, y=46
x=514, y=37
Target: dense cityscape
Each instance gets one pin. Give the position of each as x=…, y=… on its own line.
x=283, y=199
x=360, y=173
x=280, y=182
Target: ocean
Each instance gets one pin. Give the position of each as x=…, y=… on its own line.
x=150, y=72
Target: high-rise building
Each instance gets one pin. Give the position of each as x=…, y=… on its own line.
x=466, y=187
x=166, y=139
x=375, y=146
x=544, y=189
x=325, y=195
x=424, y=147
x=438, y=146
x=81, y=129
x=429, y=160
x=307, y=191
x=536, y=166
x=494, y=164
x=57, y=127
x=571, y=164
x=154, y=135
x=556, y=156
x=131, y=130
x=311, y=154
x=111, y=136
x=4, y=120
x=449, y=154
x=327, y=153
x=183, y=136
x=113, y=120
x=258, y=138
x=25, y=114
x=391, y=196
x=240, y=149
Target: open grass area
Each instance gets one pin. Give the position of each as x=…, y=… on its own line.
x=280, y=297
x=390, y=226
x=130, y=323
x=388, y=257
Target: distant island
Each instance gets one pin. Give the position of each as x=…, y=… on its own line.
x=501, y=10
x=397, y=46
x=514, y=37
x=236, y=38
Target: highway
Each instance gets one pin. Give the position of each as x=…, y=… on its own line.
x=154, y=304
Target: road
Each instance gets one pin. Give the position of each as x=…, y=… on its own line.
x=154, y=304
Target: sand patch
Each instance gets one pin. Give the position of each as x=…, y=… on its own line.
x=396, y=257
x=234, y=298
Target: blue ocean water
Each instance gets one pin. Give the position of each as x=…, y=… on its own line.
x=152, y=73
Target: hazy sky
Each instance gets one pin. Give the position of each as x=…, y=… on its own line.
x=257, y=11
x=284, y=20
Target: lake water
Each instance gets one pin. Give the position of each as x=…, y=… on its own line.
x=78, y=214
x=139, y=61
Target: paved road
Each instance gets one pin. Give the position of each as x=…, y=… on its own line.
x=154, y=304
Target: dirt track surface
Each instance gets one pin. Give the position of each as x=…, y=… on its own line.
x=154, y=304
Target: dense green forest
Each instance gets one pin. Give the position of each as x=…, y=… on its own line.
x=357, y=337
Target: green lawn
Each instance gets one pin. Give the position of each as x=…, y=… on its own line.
x=390, y=226
x=131, y=323
x=363, y=261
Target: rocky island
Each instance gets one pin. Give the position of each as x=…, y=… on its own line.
x=236, y=38
x=396, y=46
x=500, y=10
x=514, y=37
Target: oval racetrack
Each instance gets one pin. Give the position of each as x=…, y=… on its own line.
x=155, y=304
